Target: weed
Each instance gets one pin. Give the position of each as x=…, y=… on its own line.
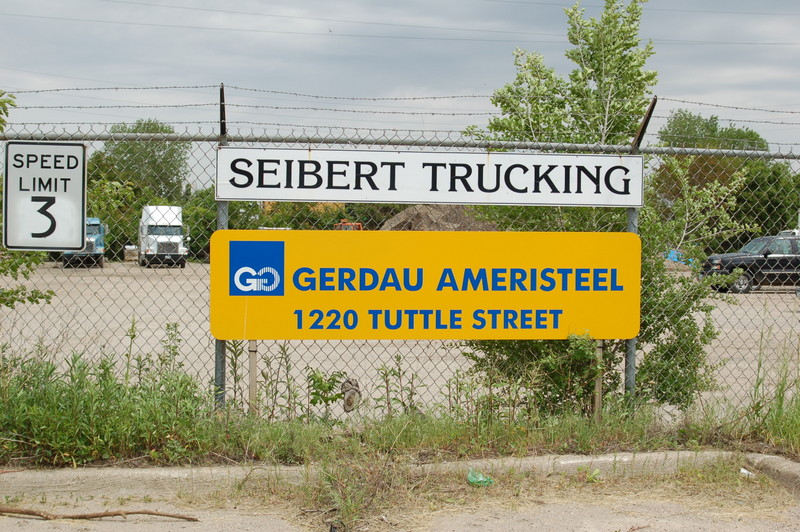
x=278, y=390
x=397, y=388
x=131, y=333
x=235, y=354
x=323, y=389
x=269, y=386
x=168, y=358
x=588, y=475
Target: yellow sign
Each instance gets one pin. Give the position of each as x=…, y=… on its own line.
x=386, y=285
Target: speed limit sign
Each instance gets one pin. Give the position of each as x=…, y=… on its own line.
x=44, y=200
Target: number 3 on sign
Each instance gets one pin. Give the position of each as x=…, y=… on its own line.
x=47, y=201
x=44, y=196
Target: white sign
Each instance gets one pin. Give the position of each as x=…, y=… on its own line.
x=368, y=176
x=44, y=204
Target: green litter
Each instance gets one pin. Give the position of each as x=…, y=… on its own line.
x=476, y=478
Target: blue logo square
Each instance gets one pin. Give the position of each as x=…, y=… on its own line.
x=256, y=268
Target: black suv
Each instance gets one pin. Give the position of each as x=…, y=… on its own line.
x=767, y=260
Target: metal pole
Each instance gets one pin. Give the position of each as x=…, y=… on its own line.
x=220, y=346
x=598, y=383
x=222, y=223
x=633, y=227
x=253, y=372
x=630, y=345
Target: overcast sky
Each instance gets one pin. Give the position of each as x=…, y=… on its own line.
x=273, y=56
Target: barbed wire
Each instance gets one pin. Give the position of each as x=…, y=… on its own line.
x=362, y=111
x=292, y=108
x=79, y=89
x=260, y=129
x=361, y=107
x=140, y=106
x=722, y=106
x=355, y=111
x=360, y=98
x=106, y=124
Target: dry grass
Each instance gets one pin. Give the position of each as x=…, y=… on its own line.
x=381, y=495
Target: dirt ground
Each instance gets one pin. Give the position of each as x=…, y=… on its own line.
x=688, y=499
x=614, y=508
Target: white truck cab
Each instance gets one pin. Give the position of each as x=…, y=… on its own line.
x=162, y=236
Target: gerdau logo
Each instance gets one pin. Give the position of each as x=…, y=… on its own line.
x=256, y=268
x=247, y=279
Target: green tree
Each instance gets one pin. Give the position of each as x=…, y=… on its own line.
x=119, y=205
x=603, y=101
x=685, y=129
x=676, y=323
x=767, y=201
x=201, y=217
x=159, y=166
x=124, y=175
x=6, y=102
x=16, y=265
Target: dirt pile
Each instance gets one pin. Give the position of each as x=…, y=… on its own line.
x=437, y=218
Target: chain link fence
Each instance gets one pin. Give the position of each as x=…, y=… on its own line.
x=723, y=344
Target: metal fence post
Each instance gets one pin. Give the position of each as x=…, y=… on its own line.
x=633, y=227
x=219, y=345
x=222, y=223
x=630, y=344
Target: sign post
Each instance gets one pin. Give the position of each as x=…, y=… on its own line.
x=376, y=285
x=44, y=200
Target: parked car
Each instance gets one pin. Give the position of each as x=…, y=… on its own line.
x=767, y=260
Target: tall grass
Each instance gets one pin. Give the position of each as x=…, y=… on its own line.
x=85, y=413
x=152, y=411
x=774, y=415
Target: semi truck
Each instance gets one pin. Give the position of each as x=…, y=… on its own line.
x=93, y=251
x=162, y=236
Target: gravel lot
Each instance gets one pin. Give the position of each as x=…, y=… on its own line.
x=94, y=310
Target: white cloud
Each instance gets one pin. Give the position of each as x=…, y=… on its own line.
x=363, y=48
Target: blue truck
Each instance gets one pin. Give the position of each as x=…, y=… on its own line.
x=93, y=251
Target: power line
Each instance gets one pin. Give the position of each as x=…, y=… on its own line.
x=649, y=8
x=558, y=38
x=329, y=33
x=320, y=19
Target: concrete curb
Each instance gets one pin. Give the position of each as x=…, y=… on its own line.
x=609, y=465
x=173, y=481
x=780, y=469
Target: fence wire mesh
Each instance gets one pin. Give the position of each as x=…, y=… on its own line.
x=705, y=337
